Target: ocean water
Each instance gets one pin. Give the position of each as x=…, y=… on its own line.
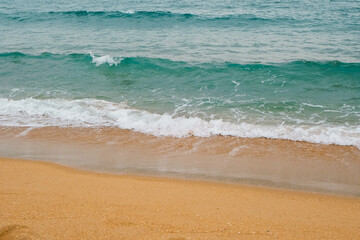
x=274, y=69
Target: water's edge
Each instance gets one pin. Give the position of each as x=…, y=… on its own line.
x=264, y=162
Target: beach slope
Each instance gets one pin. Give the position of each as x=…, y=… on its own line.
x=48, y=201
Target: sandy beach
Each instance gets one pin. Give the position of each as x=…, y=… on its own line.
x=48, y=201
x=179, y=120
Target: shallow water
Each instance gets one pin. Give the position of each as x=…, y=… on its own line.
x=308, y=101
x=287, y=70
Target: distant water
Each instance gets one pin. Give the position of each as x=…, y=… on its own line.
x=276, y=69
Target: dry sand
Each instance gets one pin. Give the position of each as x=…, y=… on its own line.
x=46, y=201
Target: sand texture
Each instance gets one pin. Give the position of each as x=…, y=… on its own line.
x=47, y=201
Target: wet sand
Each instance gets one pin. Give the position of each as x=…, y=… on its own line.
x=252, y=161
x=48, y=201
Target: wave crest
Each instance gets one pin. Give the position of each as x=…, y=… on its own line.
x=146, y=15
x=105, y=59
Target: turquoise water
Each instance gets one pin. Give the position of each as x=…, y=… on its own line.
x=288, y=69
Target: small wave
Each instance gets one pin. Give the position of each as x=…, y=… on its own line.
x=123, y=14
x=241, y=64
x=105, y=59
x=13, y=54
x=146, y=15
x=92, y=113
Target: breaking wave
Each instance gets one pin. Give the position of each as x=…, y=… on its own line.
x=96, y=113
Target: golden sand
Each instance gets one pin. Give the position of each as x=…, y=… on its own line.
x=47, y=201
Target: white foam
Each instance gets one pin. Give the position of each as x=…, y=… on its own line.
x=130, y=11
x=90, y=113
x=105, y=59
x=312, y=105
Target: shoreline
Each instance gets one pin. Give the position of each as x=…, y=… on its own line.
x=266, y=162
x=51, y=201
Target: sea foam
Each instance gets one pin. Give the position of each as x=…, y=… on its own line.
x=94, y=113
x=105, y=59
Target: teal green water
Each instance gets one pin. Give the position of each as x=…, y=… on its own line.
x=289, y=92
x=288, y=69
